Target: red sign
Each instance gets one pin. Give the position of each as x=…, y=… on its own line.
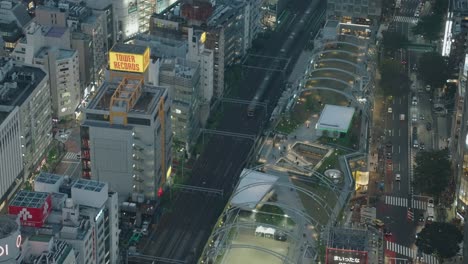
x=32, y=216
x=344, y=256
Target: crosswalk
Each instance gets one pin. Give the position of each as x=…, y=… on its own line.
x=71, y=156
x=411, y=253
x=403, y=202
x=405, y=19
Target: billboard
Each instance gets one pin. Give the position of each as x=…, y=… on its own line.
x=119, y=61
x=344, y=256
x=32, y=216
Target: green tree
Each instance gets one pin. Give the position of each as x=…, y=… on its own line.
x=430, y=27
x=432, y=69
x=432, y=172
x=393, y=79
x=439, y=238
x=393, y=41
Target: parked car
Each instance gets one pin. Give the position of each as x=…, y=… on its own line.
x=390, y=110
x=280, y=236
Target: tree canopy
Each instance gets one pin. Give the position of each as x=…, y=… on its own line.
x=393, y=41
x=432, y=172
x=432, y=69
x=393, y=79
x=430, y=27
x=443, y=239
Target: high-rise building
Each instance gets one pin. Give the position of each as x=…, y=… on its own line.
x=182, y=78
x=126, y=135
x=64, y=74
x=49, y=46
x=132, y=17
x=11, y=162
x=89, y=35
x=82, y=213
x=27, y=88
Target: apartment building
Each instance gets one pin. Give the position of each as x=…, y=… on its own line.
x=64, y=74
x=126, y=137
x=89, y=35
x=81, y=213
x=27, y=88
x=182, y=78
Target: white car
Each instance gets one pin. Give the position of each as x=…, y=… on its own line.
x=390, y=110
x=397, y=177
x=430, y=203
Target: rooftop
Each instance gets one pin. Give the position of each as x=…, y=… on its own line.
x=247, y=194
x=335, y=118
x=128, y=48
x=55, y=32
x=179, y=67
x=60, y=53
x=48, y=178
x=29, y=199
x=347, y=238
x=19, y=83
x=8, y=225
x=88, y=185
x=3, y=116
x=146, y=103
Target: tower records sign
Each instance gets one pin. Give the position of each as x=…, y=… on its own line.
x=127, y=62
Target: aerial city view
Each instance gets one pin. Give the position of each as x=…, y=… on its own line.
x=233, y=131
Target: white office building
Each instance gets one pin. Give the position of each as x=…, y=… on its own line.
x=126, y=137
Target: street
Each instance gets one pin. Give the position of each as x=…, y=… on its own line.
x=182, y=232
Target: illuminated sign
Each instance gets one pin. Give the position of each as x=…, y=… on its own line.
x=119, y=61
x=32, y=216
x=343, y=256
x=4, y=251
x=132, y=7
x=203, y=37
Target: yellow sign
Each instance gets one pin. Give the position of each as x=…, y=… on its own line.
x=119, y=61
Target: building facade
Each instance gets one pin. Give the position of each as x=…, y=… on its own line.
x=182, y=78
x=11, y=162
x=27, y=88
x=81, y=213
x=355, y=10
x=132, y=17
x=64, y=74
x=126, y=137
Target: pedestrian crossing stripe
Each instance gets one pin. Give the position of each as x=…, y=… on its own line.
x=403, y=202
x=71, y=156
x=405, y=19
x=411, y=253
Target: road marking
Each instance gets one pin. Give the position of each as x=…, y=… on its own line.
x=393, y=116
x=399, y=149
x=403, y=202
x=406, y=251
x=71, y=156
x=399, y=132
x=399, y=166
x=399, y=101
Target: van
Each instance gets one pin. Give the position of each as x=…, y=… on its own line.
x=402, y=117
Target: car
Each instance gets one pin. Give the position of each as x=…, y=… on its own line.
x=414, y=101
x=144, y=228
x=402, y=117
x=414, y=118
x=378, y=222
x=397, y=177
x=428, y=126
x=430, y=203
x=422, y=146
x=413, y=86
x=428, y=88
x=389, y=145
x=280, y=236
x=78, y=156
x=415, y=130
x=387, y=232
x=390, y=110
x=421, y=218
x=421, y=117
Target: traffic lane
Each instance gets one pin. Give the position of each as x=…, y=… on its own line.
x=395, y=219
